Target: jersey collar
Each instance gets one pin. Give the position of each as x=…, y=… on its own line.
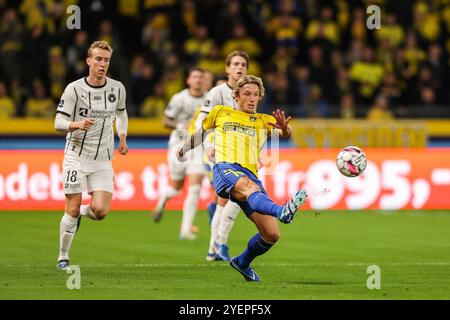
x=95, y=87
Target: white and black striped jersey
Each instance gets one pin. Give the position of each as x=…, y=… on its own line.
x=181, y=108
x=219, y=95
x=79, y=101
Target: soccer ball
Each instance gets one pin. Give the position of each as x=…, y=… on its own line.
x=351, y=161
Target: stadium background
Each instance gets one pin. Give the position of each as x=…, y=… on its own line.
x=343, y=83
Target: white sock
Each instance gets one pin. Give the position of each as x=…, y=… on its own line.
x=190, y=208
x=67, y=229
x=168, y=194
x=229, y=214
x=214, y=227
x=86, y=211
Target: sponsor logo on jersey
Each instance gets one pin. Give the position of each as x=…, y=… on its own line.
x=112, y=97
x=83, y=112
x=252, y=118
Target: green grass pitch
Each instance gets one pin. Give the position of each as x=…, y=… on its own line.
x=127, y=256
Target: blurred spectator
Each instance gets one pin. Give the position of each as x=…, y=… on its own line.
x=230, y=13
x=189, y=16
x=156, y=6
x=321, y=73
x=142, y=83
x=156, y=36
x=285, y=27
x=355, y=52
x=347, y=106
x=241, y=41
x=385, y=55
x=392, y=89
x=337, y=59
x=7, y=107
x=426, y=21
x=324, y=28
x=414, y=55
x=426, y=79
x=172, y=83
x=380, y=109
x=282, y=60
x=155, y=42
x=213, y=61
x=37, y=13
x=368, y=74
x=260, y=12
x=303, y=85
x=436, y=64
x=107, y=32
x=427, y=96
x=128, y=8
x=57, y=72
x=39, y=105
x=342, y=14
x=57, y=19
x=315, y=106
x=281, y=94
x=35, y=55
x=11, y=44
x=358, y=28
x=173, y=66
x=155, y=104
x=342, y=85
x=391, y=31
x=76, y=56
x=199, y=45
x=129, y=15
x=18, y=94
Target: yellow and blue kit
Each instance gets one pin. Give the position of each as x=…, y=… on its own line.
x=238, y=138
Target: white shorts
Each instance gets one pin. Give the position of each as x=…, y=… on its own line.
x=193, y=165
x=83, y=174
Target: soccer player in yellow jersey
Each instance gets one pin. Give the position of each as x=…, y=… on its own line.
x=239, y=134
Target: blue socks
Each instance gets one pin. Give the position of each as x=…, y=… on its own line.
x=255, y=247
x=211, y=209
x=261, y=203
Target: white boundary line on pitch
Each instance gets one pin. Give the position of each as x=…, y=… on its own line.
x=223, y=264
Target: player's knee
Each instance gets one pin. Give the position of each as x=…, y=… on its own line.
x=222, y=201
x=271, y=236
x=246, y=186
x=73, y=211
x=100, y=212
x=250, y=186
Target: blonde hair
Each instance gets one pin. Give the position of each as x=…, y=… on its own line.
x=248, y=79
x=101, y=45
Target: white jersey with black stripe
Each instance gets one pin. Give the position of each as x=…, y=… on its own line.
x=181, y=108
x=219, y=95
x=79, y=101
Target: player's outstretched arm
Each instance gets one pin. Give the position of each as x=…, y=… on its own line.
x=193, y=141
x=282, y=123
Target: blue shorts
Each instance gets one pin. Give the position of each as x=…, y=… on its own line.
x=225, y=176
